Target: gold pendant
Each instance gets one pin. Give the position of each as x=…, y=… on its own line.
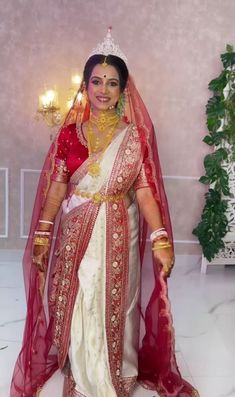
x=94, y=169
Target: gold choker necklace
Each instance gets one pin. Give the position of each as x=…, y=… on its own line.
x=104, y=120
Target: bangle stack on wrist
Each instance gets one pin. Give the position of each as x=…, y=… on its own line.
x=41, y=240
x=42, y=237
x=157, y=236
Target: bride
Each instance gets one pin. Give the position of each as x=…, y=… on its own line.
x=101, y=183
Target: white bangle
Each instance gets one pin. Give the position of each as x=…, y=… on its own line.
x=48, y=222
x=42, y=233
x=157, y=234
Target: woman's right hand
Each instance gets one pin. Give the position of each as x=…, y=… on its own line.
x=39, y=259
x=40, y=256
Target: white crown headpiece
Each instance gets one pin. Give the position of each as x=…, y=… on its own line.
x=108, y=47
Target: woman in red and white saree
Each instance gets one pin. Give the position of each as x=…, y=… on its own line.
x=84, y=302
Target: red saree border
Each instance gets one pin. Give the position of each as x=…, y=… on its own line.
x=117, y=261
x=69, y=389
x=76, y=231
x=125, y=170
x=69, y=385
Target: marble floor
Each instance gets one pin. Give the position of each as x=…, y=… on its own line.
x=203, y=309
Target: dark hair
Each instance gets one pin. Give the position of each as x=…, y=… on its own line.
x=112, y=60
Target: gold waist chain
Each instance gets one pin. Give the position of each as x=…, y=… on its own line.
x=99, y=197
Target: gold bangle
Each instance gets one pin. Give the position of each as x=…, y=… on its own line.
x=161, y=241
x=161, y=247
x=41, y=241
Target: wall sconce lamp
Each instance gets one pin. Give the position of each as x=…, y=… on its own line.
x=49, y=109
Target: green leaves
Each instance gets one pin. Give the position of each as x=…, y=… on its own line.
x=215, y=138
x=205, y=180
x=217, y=85
x=214, y=171
x=213, y=124
x=215, y=107
x=215, y=111
x=214, y=223
x=228, y=58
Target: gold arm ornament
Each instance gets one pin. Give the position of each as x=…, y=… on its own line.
x=38, y=240
x=161, y=245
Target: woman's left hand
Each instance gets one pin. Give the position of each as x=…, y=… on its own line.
x=166, y=257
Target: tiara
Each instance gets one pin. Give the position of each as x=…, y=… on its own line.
x=108, y=47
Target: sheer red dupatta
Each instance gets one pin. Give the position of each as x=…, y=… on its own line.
x=37, y=359
x=157, y=363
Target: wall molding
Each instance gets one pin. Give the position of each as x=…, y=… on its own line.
x=181, y=241
x=23, y=171
x=186, y=242
x=6, y=185
x=182, y=177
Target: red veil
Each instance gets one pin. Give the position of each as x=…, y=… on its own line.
x=37, y=360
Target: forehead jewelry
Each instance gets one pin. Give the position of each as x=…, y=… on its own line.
x=104, y=64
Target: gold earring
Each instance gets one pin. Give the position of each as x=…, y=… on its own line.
x=121, y=104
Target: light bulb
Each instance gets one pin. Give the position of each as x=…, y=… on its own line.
x=45, y=101
x=50, y=94
x=76, y=79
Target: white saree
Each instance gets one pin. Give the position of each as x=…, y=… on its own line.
x=88, y=352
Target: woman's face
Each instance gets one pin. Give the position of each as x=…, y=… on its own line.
x=104, y=87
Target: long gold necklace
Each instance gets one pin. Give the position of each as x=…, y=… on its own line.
x=96, y=148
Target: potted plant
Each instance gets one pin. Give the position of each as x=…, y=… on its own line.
x=218, y=215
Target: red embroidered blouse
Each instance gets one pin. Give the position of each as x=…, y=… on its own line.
x=71, y=153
